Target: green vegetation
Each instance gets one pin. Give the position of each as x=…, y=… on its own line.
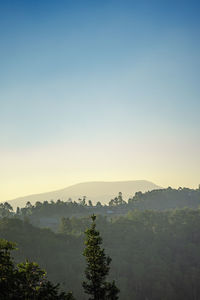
x=25, y=281
x=155, y=254
x=166, y=199
x=49, y=214
x=97, y=267
x=154, y=245
x=163, y=199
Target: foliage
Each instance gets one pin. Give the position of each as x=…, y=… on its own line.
x=25, y=280
x=155, y=253
x=97, y=267
x=7, y=274
x=6, y=209
x=165, y=199
x=117, y=201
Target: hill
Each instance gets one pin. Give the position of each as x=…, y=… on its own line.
x=95, y=191
x=155, y=255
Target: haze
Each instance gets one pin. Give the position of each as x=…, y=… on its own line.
x=98, y=91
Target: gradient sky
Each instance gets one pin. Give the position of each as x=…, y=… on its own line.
x=98, y=90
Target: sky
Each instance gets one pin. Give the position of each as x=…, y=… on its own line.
x=98, y=90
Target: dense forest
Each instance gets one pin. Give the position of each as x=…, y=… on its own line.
x=48, y=214
x=154, y=244
x=27, y=280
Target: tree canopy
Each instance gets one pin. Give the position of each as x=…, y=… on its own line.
x=26, y=280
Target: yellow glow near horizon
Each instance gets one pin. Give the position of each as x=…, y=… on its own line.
x=47, y=169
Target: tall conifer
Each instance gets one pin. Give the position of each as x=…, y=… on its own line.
x=97, y=267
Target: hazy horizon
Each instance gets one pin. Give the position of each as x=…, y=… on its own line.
x=89, y=182
x=98, y=91
x=84, y=182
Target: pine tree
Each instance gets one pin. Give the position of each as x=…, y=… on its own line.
x=97, y=267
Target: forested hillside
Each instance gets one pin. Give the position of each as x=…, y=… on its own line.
x=165, y=199
x=49, y=214
x=155, y=254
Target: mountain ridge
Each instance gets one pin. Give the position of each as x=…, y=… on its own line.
x=96, y=191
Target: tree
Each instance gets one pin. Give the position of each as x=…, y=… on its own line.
x=6, y=269
x=33, y=284
x=117, y=200
x=82, y=201
x=97, y=267
x=5, y=209
x=26, y=280
x=90, y=203
x=18, y=211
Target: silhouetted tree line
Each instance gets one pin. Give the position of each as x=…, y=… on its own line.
x=163, y=199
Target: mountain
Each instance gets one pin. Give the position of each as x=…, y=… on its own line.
x=95, y=191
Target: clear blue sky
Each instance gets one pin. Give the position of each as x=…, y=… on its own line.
x=98, y=90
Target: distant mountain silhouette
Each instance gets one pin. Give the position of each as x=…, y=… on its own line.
x=95, y=191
